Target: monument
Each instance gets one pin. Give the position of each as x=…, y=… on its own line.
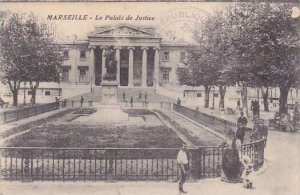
x=109, y=110
x=109, y=80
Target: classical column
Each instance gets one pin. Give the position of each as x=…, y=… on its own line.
x=156, y=65
x=130, y=67
x=144, y=67
x=92, y=63
x=118, y=58
x=103, y=62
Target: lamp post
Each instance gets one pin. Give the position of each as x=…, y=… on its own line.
x=213, y=93
x=24, y=94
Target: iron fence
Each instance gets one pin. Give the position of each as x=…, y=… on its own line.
x=15, y=115
x=221, y=125
x=76, y=103
x=114, y=164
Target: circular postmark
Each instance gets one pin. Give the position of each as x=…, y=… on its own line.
x=179, y=24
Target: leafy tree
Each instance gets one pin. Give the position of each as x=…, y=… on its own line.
x=28, y=53
x=13, y=51
x=266, y=44
x=207, y=58
x=199, y=71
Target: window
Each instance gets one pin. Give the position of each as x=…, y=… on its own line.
x=82, y=74
x=66, y=54
x=166, y=76
x=47, y=93
x=65, y=74
x=29, y=93
x=82, y=54
x=166, y=56
x=182, y=55
x=198, y=94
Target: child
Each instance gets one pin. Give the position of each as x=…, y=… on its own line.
x=247, y=173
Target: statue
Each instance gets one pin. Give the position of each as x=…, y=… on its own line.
x=110, y=65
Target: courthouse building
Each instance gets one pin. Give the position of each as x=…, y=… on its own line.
x=144, y=58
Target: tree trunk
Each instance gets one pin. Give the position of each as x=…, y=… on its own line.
x=33, y=96
x=244, y=96
x=206, y=100
x=222, y=91
x=33, y=91
x=284, y=91
x=265, y=95
x=15, y=98
x=14, y=86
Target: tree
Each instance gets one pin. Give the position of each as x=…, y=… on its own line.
x=13, y=51
x=207, y=58
x=32, y=53
x=199, y=71
x=267, y=47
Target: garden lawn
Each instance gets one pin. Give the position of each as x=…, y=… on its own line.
x=96, y=136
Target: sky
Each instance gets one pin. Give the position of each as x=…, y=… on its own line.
x=174, y=20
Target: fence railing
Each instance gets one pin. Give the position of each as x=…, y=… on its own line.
x=146, y=104
x=221, y=125
x=114, y=164
x=15, y=115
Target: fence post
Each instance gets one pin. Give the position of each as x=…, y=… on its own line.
x=195, y=169
x=27, y=175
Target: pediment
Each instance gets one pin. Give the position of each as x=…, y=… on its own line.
x=122, y=31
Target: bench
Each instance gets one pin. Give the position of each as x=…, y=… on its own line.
x=230, y=111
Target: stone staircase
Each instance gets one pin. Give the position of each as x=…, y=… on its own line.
x=134, y=92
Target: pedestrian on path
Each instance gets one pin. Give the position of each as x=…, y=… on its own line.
x=146, y=96
x=241, y=126
x=140, y=96
x=131, y=101
x=124, y=96
x=238, y=103
x=287, y=123
x=182, y=160
x=178, y=102
x=247, y=172
x=81, y=101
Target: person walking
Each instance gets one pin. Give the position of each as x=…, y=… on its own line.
x=178, y=102
x=146, y=96
x=124, y=96
x=81, y=101
x=131, y=101
x=183, y=161
x=264, y=131
x=140, y=96
x=238, y=104
x=241, y=127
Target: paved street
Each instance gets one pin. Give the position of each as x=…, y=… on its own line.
x=278, y=177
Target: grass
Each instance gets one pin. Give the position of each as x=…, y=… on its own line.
x=196, y=140
x=98, y=136
x=31, y=124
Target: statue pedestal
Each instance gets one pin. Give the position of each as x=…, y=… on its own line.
x=109, y=93
x=109, y=109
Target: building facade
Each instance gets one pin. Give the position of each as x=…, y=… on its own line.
x=143, y=58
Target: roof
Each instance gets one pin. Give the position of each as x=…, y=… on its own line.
x=124, y=30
